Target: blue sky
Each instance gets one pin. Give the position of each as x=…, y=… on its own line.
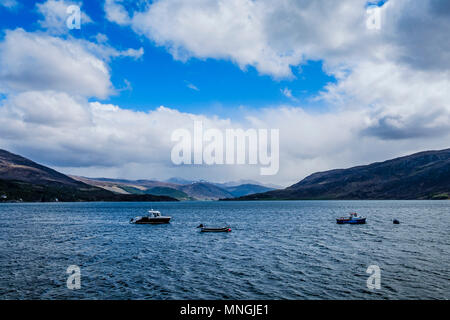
x=218, y=84
x=341, y=91
x=198, y=85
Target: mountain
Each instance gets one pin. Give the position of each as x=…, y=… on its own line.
x=15, y=167
x=171, y=192
x=179, y=181
x=200, y=190
x=24, y=180
x=138, y=187
x=247, y=189
x=231, y=184
x=205, y=191
x=424, y=175
x=158, y=191
x=223, y=185
x=124, y=186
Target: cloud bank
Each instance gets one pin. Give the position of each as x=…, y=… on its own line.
x=391, y=96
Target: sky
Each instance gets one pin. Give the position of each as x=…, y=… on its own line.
x=104, y=99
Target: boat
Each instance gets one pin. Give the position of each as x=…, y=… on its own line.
x=153, y=217
x=354, y=218
x=205, y=229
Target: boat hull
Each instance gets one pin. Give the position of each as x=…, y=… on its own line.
x=153, y=220
x=351, y=221
x=227, y=229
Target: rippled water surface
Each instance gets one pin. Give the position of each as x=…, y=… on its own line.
x=277, y=250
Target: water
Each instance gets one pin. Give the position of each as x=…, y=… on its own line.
x=277, y=250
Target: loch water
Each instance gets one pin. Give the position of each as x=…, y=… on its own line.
x=276, y=250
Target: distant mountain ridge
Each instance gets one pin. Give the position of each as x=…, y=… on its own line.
x=24, y=180
x=247, y=189
x=424, y=175
x=247, y=182
x=187, y=190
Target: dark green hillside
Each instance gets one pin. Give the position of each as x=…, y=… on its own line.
x=24, y=180
x=424, y=175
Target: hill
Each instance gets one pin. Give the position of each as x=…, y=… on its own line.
x=424, y=175
x=205, y=191
x=24, y=180
x=183, y=190
x=247, y=189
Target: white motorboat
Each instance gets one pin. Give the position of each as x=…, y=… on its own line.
x=153, y=217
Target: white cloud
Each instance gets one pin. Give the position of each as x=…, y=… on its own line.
x=192, y=86
x=402, y=103
x=127, y=86
x=101, y=38
x=419, y=32
x=224, y=30
x=30, y=61
x=271, y=38
x=288, y=94
x=71, y=131
x=10, y=4
x=35, y=61
x=399, y=74
x=274, y=38
x=55, y=15
x=47, y=108
x=391, y=96
x=115, y=12
x=98, y=139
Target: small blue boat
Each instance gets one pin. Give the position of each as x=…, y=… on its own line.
x=354, y=218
